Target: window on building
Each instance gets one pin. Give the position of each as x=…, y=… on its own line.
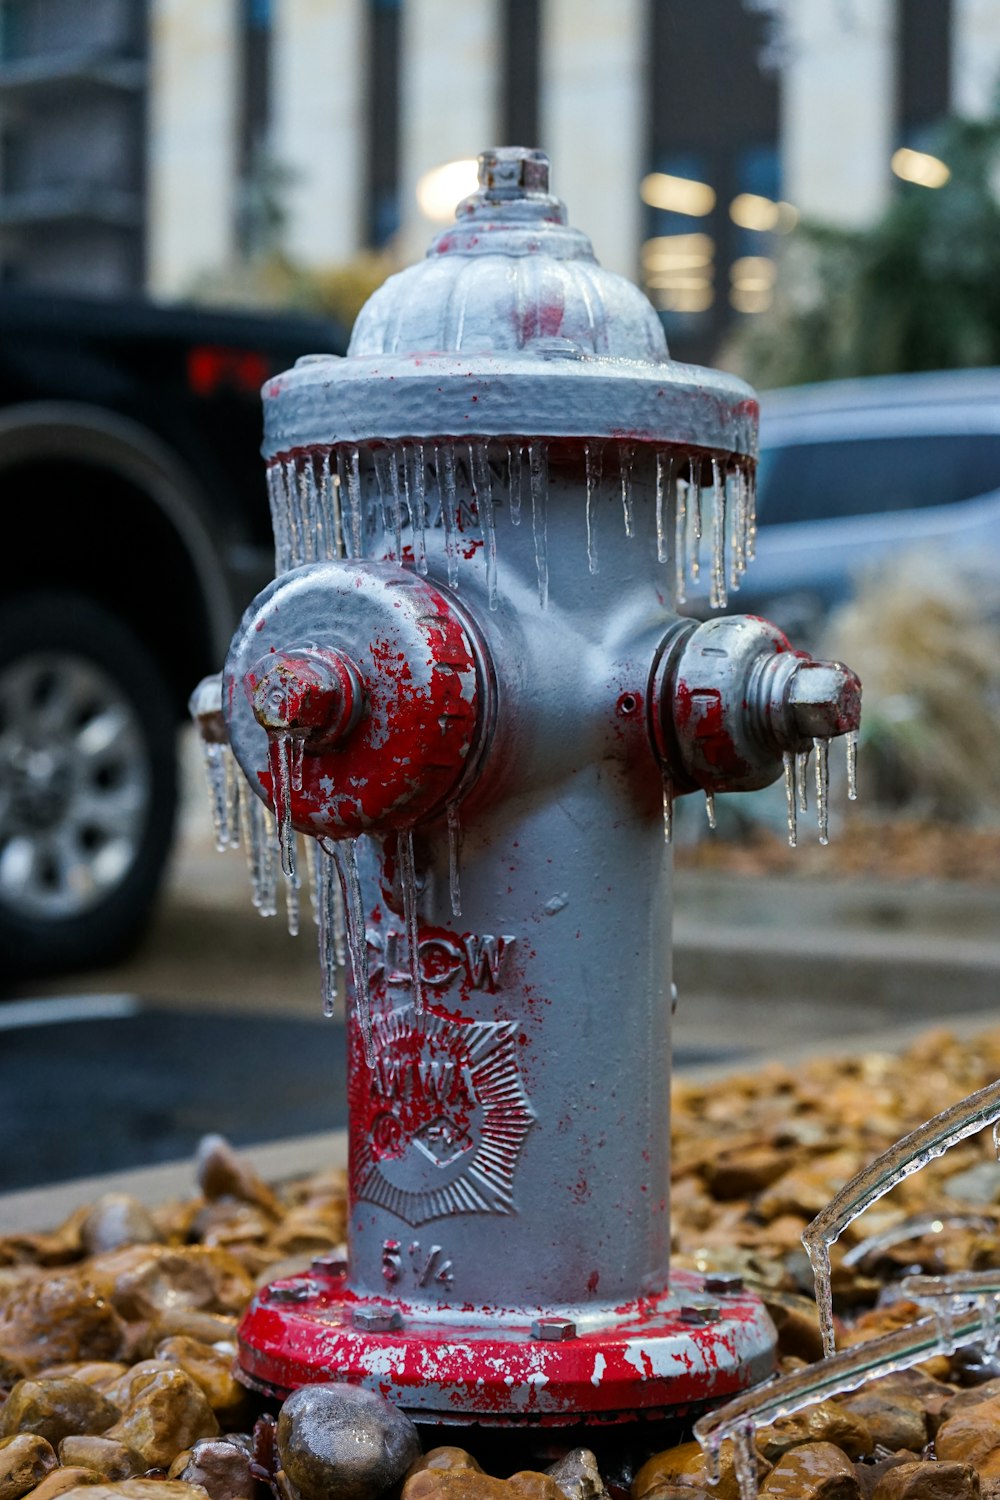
x=923, y=67
x=259, y=200
x=383, y=120
x=712, y=134
x=520, y=52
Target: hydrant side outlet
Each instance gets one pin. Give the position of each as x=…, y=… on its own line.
x=468, y=695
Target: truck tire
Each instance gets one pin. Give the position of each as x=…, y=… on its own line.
x=88, y=783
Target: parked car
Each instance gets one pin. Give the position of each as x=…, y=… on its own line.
x=854, y=473
x=136, y=528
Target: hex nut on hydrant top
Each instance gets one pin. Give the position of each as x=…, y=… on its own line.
x=468, y=697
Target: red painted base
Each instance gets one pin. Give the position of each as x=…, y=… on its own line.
x=654, y=1360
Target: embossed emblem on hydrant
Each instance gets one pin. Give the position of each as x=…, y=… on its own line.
x=440, y=1117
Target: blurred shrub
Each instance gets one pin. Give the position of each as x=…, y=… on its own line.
x=924, y=637
x=274, y=281
x=920, y=290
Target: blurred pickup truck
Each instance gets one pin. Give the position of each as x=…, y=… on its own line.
x=135, y=530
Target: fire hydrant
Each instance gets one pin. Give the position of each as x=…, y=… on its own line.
x=467, y=686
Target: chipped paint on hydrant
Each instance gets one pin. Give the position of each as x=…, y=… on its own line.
x=468, y=695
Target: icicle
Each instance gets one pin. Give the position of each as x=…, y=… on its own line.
x=314, y=856
x=454, y=858
x=397, y=504
x=344, y=853
x=329, y=539
x=408, y=885
x=680, y=541
x=483, y=486
x=281, y=750
x=996, y=1140
x=710, y=809
x=593, y=459
x=278, y=498
x=717, y=588
x=668, y=807
x=801, y=772
x=822, y=748
x=296, y=523
x=353, y=464
x=259, y=842
x=988, y=1310
x=415, y=496
x=851, y=744
x=664, y=484
x=626, y=456
x=908, y=1155
x=449, y=507
x=737, y=511
x=309, y=521
x=292, y=887
x=751, y=522
x=330, y=908
x=539, y=479
x=693, y=540
x=745, y=1459
x=788, y=763
x=390, y=507
x=514, y=491
x=215, y=774
x=234, y=781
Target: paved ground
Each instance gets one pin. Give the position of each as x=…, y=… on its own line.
x=215, y=1022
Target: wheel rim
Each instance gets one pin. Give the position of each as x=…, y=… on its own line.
x=75, y=785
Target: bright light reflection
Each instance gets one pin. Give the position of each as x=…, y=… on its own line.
x=747, y=299
x=681, y=299
x=441, y=190
x=753, y=273
x=752, y=211
x=920, y=167
x=679, y=195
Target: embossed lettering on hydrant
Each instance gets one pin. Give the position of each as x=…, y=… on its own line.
x=441, y=1117
x=477, y=959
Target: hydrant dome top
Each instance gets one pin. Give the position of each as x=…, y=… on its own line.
x=510, y=275
x=508, y=329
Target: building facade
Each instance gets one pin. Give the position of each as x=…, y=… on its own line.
x=686, y=137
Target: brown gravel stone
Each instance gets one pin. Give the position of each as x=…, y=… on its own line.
x=221, y=1467
x=190, y=1323
x=208, y=1367
x=107, y=1457
x=466, y=1484
x=815, y=1471
x=896, y=1418
x=114, y=1220
x=139, y=1489
x=24, y=1462
x=685, y=1464
x=223, y=1173
x=929, y=1481
x=342, y=1442
x=743, y=1172
x=56, y=1319
x=61, y=1480
x=443, y=1457
x=578, y=1476
x=826, y=1422
x=55, y=1408
x=100, y=1373
x=145, y=1281
x=166, y=1412
x=972, y=1436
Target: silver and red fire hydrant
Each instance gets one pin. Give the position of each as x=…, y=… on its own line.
x=467, y=686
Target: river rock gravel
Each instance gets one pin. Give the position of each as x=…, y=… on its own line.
x=117, y=1327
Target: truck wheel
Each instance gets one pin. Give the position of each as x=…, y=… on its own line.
x=88, y=783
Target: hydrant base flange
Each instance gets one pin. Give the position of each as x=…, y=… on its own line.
x=663, y=1355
